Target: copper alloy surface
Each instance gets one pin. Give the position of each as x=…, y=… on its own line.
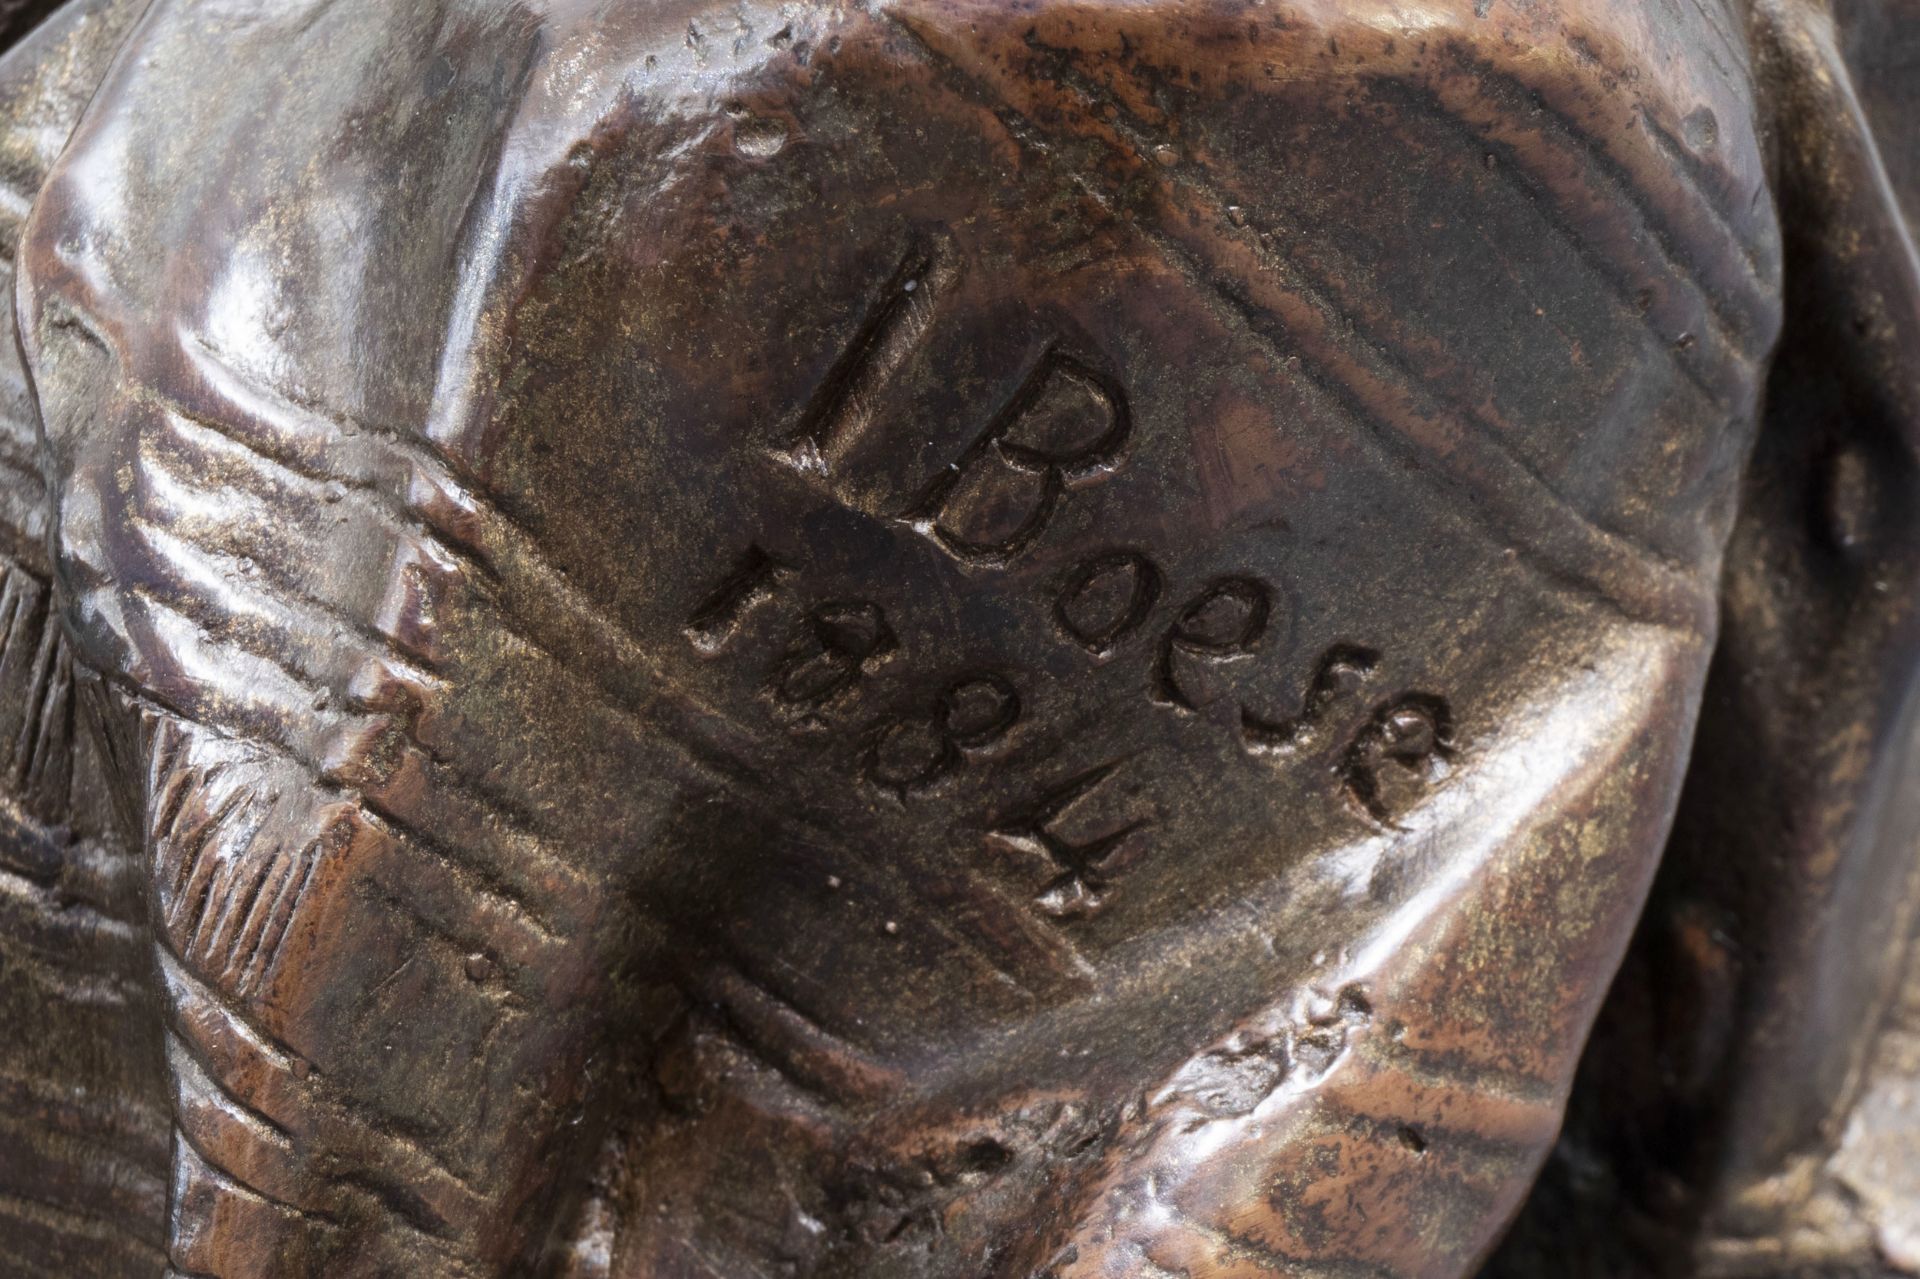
x=1038, y=638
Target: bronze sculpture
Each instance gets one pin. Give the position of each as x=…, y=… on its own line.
x=960, y=637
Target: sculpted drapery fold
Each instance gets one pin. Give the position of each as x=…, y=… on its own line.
x=944, y=637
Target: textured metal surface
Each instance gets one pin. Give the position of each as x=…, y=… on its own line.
x=1751, y=1088
x=949, y=637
